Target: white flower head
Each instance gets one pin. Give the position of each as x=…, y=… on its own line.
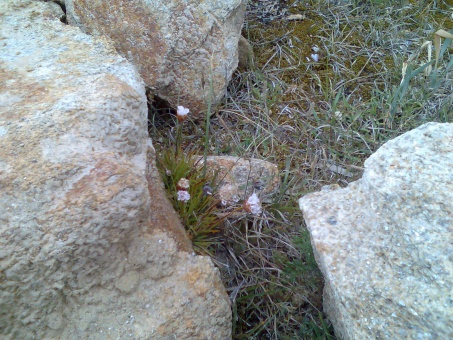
x=183, y=184
x=182, y=113
x=338, y=115
x=252, y=205
x=183, y=195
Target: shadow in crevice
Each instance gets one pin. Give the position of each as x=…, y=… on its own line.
x=160, y=113
x=60, y=3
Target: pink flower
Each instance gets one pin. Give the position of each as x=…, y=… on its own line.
x=252, y=205
x=183, y=196
x=183, y=184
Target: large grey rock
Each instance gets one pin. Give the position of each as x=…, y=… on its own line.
x=176, y=45
x=385, y=243
x=89, y=246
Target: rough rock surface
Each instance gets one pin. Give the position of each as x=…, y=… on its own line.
x=246, y=55
x=384, y=243
x=240, y=177
x=177, y=46
x=89, y=246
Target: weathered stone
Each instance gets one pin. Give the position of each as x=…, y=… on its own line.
x=239, y=177
x=384, y=243
x=245, y=53
x=90, y=248
x=177, y=46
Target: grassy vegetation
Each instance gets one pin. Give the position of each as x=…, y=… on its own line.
x=318, y=121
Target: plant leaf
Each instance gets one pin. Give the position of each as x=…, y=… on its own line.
x=437, y=46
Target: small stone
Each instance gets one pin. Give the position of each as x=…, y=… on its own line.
x=241, y=177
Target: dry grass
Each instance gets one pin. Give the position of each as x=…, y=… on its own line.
x=318, y=121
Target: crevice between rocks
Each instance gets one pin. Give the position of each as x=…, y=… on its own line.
x=159, y=111
x=63, y=18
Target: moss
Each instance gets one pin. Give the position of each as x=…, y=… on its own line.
x=300, y=34
x=287, y=46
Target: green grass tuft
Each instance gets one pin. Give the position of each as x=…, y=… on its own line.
x=198, y=214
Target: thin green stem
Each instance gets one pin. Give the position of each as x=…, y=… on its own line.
x=208, y=121
x=178, y=137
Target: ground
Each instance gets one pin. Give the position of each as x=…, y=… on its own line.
x=325, y=91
